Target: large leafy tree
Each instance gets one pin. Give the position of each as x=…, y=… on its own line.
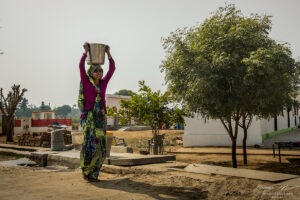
x=229, y=69
x=8, y=106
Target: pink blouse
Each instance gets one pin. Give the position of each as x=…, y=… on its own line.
x=89, y=91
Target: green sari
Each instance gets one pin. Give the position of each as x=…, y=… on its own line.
x=93, y=152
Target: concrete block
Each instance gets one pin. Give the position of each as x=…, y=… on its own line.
x=63, y=160
x=57, y=140
x=40, y=158
x=121, y=149
x=77, y=137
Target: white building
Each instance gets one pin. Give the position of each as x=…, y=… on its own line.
x=200, y=132
x=113, y=101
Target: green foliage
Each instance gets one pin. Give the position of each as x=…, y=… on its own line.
x=125, y=92
x=23, y=110
x=274, y=133
x=148, y=108
x=63, y=111
x=229, y=65
x=228, y=68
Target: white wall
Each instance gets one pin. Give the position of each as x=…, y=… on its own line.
x=199, y=132
x=27, y=121
x=114, y=101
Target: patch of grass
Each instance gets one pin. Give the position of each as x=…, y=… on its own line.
x=274, y=133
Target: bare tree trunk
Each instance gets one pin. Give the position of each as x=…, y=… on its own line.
x=288, y=115
x=233, y=140
x=155, y=141
x=5, y=124
x=10, y=129
x=245, y=145
x=275, y=123
x=233, y=153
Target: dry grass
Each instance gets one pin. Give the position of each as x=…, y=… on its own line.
x=138, y=140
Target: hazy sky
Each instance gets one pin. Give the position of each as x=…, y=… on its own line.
x=42, y=39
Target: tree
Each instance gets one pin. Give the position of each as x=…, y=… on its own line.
x=227, y=69
x=151, y=108
x=125, y=92
x=267, y=94
x=23, y=110
x=146, y=107
x=126, y=113
x=8, y=105
x=63, y=111
x=177, y=116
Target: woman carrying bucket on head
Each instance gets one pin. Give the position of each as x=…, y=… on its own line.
x=91, y=102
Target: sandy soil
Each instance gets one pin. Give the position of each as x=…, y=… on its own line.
x=29, y=183
x=33, y=183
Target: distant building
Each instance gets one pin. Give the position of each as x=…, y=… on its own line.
x=112, y=101
x=200, y=132
x=43, y=112
x=39, y=121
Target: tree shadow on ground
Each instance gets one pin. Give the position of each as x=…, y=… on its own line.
x=160, y=192
x=286, y=168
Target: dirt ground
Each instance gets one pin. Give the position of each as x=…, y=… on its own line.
x=28, y=183
x=34, y=183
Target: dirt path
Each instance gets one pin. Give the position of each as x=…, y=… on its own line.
x=30, y=183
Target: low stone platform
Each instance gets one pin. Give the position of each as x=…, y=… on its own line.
x=245, y=173
x=72, y=158
x=119, y=155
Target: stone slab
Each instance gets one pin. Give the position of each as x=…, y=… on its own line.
x=72, y=159
x=17, y=162
x=244, y=173
x=63, y=160
x=292, y=182
x=21, y=148
x=14, y=151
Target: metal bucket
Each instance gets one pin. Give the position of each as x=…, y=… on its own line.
x=96, y=55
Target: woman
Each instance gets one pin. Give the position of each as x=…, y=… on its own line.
x=92, y=103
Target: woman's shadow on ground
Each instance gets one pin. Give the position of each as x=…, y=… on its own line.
x=155, y=191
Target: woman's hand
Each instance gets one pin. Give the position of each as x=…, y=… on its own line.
x=86, y=47
x=107, y=50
